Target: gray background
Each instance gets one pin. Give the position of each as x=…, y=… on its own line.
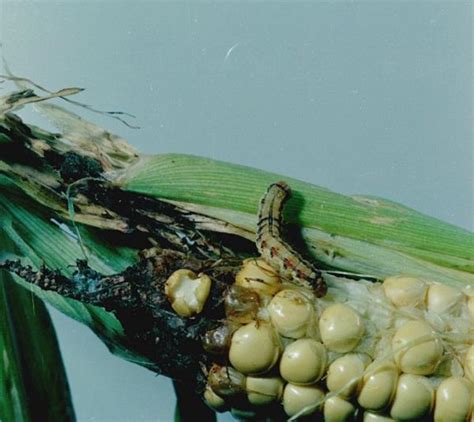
x=360, y=97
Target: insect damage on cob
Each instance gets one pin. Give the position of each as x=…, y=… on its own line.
x=397, y=350
x=274, y=337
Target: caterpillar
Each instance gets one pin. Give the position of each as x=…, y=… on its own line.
x=275, y=251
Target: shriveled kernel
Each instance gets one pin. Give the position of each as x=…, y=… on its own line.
x=262, y=391
x=304, y=361
x=404, y=291
x=413, y=398
x=290, y=313
x=225, y=381
x=214, y=401
x=337, y=409
x=341, y=328
x=441, y=298
x=378, y=385
x=256, y=274
x=375, y=417
x=241, y=304
x=454, y=399
x=217, y=340
x=254, y=348
x=345, y=374
x=417, y=350
x=469, y=364
x=187, y=292
x=297, y=398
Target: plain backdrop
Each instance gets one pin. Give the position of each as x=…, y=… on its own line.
x=369, y=97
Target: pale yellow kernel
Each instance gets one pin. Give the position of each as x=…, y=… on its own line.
x=454, y=399
x=302, y=398
x=441, y=298
x=337, y=409
x=187, y=292
x=378, y=385
x=262, y=391
x=469, y=364
x=375, y=417
x=214, y=401
x=413, y=398
x=417, y=349
x=345, y=374
x=290, y=313
x=256, y=274
x=341, y=328
x=304, y=361
x=404, y=291
x=254, y=348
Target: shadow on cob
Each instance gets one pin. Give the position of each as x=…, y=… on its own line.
x=310, y=305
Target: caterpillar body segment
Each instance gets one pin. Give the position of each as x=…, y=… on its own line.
x=273, y=248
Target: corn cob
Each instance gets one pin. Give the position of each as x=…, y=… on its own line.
x=400, y=349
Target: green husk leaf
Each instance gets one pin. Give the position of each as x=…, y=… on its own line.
x=40, y=241
x=33, y=383
x=352, y=233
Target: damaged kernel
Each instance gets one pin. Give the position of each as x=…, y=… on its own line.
x=187, y=292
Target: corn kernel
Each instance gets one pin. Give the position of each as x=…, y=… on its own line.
x=404, y=291
x=413, y=398
x=454, y=399
x=187, y=292
x=441, y=298
x=257, y=275
x=378, y=385
x=290, y=313
x=417, y=350
x=345, y=374
x=337, y=409
x=298, y=397
x=254, y=348
x=341, y=328
x=262, y=391
x=214, y=401
x=303, y=362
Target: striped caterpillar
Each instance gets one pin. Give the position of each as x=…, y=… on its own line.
x=275, y=251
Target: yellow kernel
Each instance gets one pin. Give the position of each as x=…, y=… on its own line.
x=341, y=328
x=404, y=291
x=417, y=350
x=441, y=298
x=337, y=409
x=304, y=361
x=345, y=374
x=378, y=385
x=375, y=417
x=454, y=398
x=297, y=398
x=187, y=292
x=262, y=391
x=256, y=274
x=214, y=401
x=413, y=398
x=254, y=348
x=290, y=313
